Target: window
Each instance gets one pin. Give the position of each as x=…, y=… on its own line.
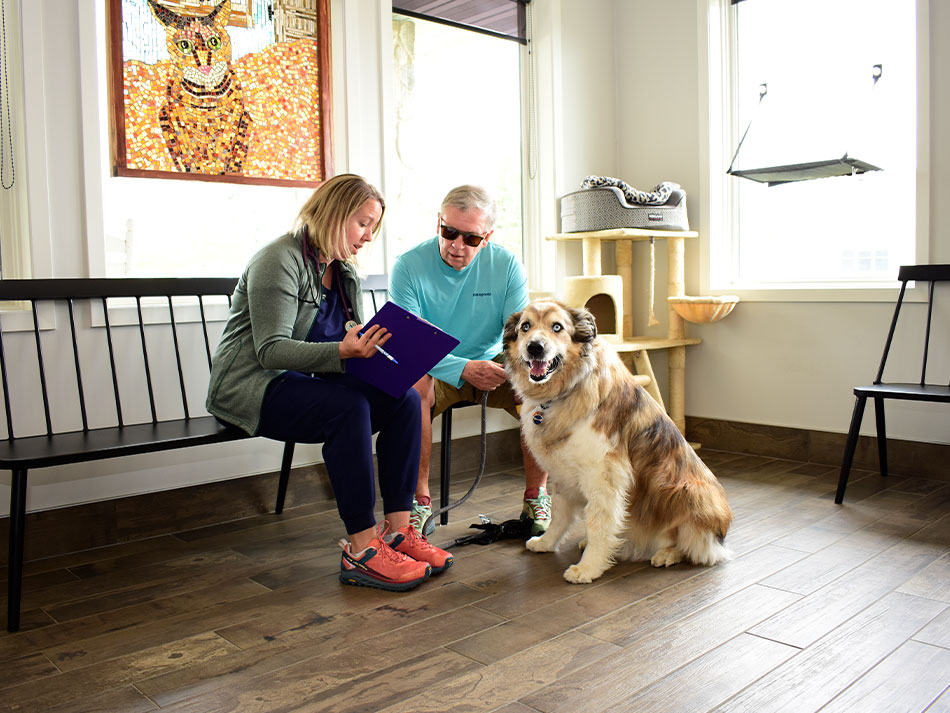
x=816, y=60
x=458, y=120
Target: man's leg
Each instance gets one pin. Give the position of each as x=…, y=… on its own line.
x=534, y=476
x=426, y=388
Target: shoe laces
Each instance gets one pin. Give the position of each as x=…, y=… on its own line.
x=417, y=540
x=540, y=506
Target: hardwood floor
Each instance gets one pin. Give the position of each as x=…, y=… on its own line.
x=825, y=607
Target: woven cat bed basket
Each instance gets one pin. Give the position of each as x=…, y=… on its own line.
x=607, y=208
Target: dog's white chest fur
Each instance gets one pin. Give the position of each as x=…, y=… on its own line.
x=572, y=459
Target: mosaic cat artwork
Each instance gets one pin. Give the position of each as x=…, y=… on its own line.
x=200, y=112
x=203, y=119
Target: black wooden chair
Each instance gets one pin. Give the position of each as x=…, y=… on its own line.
x=376, y=288
x=881, y=391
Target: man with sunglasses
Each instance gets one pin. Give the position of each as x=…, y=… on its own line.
x=466, y=285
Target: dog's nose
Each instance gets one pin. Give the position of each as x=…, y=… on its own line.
x=535, y=350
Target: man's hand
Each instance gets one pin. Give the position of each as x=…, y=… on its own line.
x=355, y=346
x=484, y=375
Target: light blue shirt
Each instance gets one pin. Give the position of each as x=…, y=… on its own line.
x=471, y=304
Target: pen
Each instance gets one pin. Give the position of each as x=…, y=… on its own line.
x=386, y=354
x=378, y=348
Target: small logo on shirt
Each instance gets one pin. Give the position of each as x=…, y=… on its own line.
x=481, y=294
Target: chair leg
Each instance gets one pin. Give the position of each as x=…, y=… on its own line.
x=881, y=435
x=284, y=476
x=445, y=464
x=850, y=446
x=15, y=568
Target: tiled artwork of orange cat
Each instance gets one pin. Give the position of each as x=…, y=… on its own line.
x=199, y=112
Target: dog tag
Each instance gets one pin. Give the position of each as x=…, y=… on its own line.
x=349, y=325
x=538, y=417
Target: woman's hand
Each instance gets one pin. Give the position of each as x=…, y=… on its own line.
x=355, y=346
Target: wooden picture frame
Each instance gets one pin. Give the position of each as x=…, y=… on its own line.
x=235, y=91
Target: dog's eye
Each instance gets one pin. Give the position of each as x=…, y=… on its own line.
x=525, y=326
x=556, y=327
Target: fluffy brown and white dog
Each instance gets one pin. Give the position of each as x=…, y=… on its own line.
x=611, y=451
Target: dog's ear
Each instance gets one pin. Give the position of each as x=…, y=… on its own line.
x=585, y=328
x=510, y=333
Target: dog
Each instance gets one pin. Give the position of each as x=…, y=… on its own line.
x=610, y=449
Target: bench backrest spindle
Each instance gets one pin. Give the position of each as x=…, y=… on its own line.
x=79, y=388
x=42, y=366
x=181, y=375
x=148, y=370
x=115, y=378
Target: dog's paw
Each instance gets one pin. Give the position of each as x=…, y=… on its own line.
x=538, y=544
x=577, y=575
x=666, y=557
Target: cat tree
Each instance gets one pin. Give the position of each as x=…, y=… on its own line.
x=610, y=296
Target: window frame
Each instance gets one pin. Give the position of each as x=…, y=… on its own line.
x=719, y=136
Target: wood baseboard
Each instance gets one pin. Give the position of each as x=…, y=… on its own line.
x=911, y=458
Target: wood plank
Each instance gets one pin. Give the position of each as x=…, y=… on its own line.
x=817, y=614
x=339, y=657
x=127, y=618
x=125, y=699
x=826, y=668
x=910, y=679
x=305, y=622
x=61, y=689
x=931, y=581
x=669, y=605
x=936, y=632
x=26, y=668
x=710, y=679
x=826, y=565
x=296, y=689
x=509, y=680
x=649, y=658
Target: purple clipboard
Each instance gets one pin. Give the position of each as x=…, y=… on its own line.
x=415, y=344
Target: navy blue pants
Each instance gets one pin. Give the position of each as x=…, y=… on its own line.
x=343, y=412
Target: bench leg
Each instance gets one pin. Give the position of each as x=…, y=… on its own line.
x=445, y=464
x=284, y=476
x=17, y=527
x=850, y=446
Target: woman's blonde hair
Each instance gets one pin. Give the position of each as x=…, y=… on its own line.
x=326, y=212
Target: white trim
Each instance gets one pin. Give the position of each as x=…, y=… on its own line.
x=540, y=193
x=94, y=107
x=715, y=88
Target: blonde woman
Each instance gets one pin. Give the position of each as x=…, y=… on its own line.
x=280, y=372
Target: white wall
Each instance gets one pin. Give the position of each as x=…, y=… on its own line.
x=618, y=95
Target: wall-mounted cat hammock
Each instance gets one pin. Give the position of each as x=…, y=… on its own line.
x=777, y=175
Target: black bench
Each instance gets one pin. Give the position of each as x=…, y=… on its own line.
x=96, y=368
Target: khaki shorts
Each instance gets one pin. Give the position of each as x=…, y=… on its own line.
x=502, y=397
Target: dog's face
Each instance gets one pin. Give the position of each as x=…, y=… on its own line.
x=544, y=344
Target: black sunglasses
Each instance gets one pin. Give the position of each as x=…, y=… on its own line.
x=471, y=239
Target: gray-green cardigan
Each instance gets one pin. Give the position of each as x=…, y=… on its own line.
x=272, y=311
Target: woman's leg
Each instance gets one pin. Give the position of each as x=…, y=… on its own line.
x=306, y=409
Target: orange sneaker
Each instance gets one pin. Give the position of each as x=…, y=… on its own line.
x=408, y=541
x=381, y=566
